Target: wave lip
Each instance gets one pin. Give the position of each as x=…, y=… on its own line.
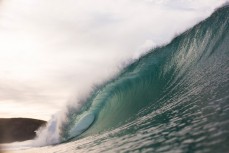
x=190, y=70
x=174, y=98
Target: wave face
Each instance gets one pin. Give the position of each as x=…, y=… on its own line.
x=174, y=98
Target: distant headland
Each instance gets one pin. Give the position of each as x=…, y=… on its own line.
x=18, y=129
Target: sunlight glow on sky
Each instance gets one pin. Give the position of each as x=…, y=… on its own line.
x=52, y=52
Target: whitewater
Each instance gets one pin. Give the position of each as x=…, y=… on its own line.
x=173, y=98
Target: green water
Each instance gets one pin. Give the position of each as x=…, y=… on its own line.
x=173, y=99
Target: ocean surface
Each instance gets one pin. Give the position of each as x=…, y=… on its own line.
x=175, y=98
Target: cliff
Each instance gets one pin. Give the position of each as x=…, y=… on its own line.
x=18, y=129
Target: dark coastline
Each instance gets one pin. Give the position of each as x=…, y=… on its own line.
x=18, y=129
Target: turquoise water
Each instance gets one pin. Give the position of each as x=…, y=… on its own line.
x=175, y=98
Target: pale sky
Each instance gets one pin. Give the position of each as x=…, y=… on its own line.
x=54, y=51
